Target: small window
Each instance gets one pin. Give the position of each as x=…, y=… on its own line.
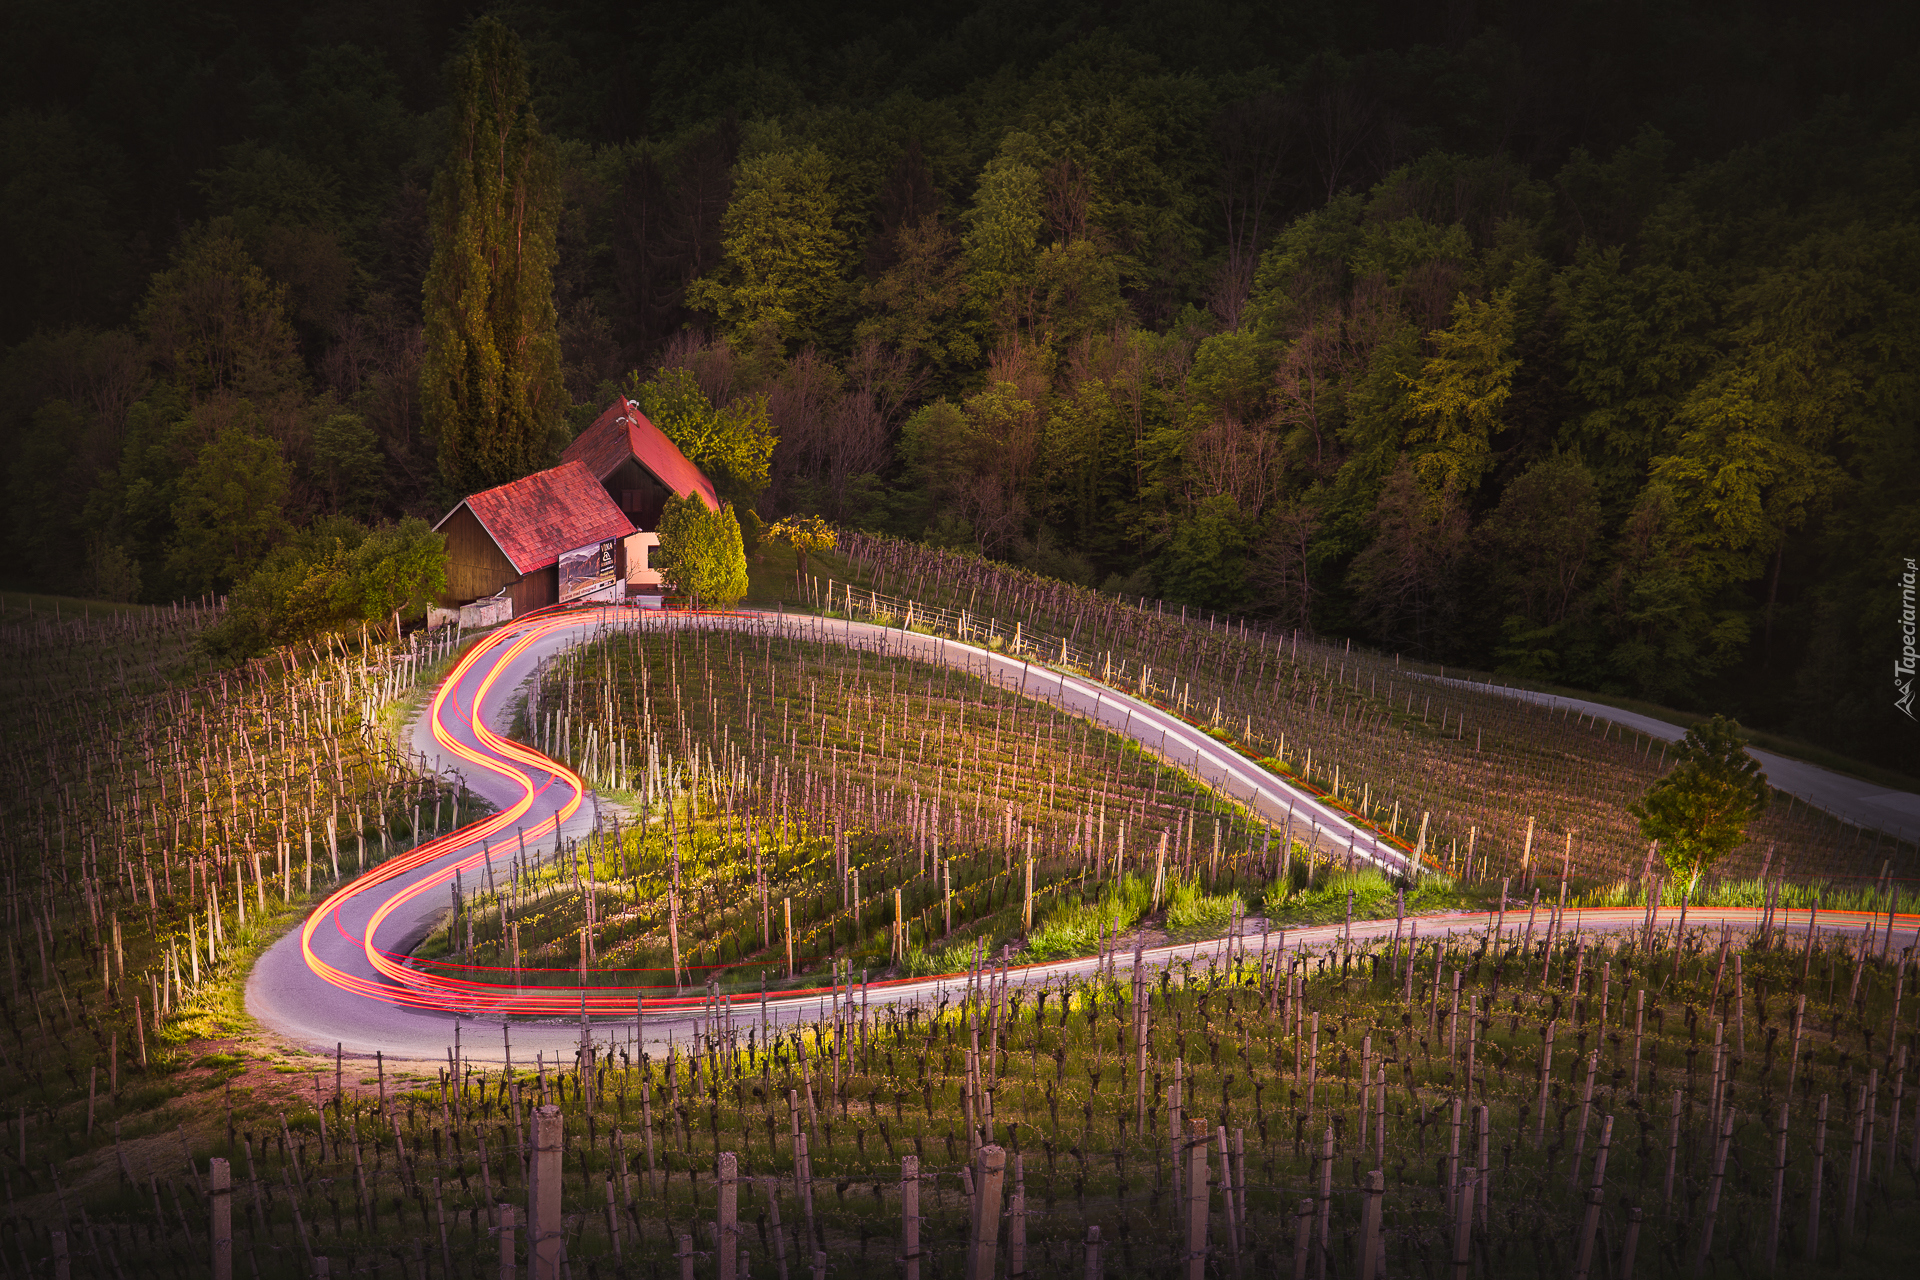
x=653, y=555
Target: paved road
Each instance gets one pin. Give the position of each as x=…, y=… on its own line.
x=339, y=980
x=1848, y=798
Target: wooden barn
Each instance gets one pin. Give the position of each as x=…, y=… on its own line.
x=638, y=467
x=549, y=537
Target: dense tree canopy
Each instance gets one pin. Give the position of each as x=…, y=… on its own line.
x=1569, y=342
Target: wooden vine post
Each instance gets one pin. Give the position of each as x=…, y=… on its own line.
x=729, y=1241
x=1197, y=1198
x=991, y=1164
x=544, y=1235
x=910, y=1215
x=220, y=1187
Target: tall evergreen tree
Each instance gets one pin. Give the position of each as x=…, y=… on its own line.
x=491, y=387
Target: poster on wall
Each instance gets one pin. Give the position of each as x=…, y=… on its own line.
x=586, y=573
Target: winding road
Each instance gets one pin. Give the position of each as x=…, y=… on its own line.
x=341, y=981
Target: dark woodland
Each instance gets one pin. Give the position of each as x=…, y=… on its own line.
x=1574, y=342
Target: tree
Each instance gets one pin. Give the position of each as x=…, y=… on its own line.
x=733, y=444
x=667, y=228
x=1286, y=561
x=1404, y=580
x=914, y=306
x=112, y=574
x=702, y=553
x=332, y=577
x=1671, y=626
x=1700, y=810
x=229, y=509
x=1542, y=535
x=491, y=387
x=45, y=474
x=1205, y=564
x=216, y=325
x=938, y=448
x=1002, y=243
x=347, y=463
x=1635, y=340
x=399, y=569
x=1537, y=547
x=1003, y=436
x=806, y=534
x=783, y=249
x=1457, y=398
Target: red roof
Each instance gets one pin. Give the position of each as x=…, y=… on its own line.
x=537, y=517
x=623, y=432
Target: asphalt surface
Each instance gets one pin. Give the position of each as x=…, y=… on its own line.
x=326, y=986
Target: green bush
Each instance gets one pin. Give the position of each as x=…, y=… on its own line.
x=702, y=552
x=1373, y=896
x=333, y=577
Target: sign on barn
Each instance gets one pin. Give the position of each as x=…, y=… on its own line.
x=588, y=573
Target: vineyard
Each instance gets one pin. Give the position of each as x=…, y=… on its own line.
x=1509, y=784
x=779, y=810
x=794, y=802
x=1496, y=1103
x=162, y=822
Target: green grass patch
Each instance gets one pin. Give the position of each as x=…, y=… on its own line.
x=1073, y=928
x=1191, y=907
x=770, y=576
x=1374, y=897
x=954, y=958
x=1749, y=891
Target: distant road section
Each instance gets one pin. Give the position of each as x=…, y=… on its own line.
x=1849, y=799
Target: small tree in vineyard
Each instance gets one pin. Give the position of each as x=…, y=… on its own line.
x=1700, y=810
x=702, y=552
x=806, y=534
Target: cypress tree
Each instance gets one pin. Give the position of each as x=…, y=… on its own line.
x=491, y=388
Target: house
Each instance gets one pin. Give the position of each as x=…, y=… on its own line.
x=638, y=467
x=552, y=537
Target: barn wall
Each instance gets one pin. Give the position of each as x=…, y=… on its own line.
x=475, y=565
x=537, y=590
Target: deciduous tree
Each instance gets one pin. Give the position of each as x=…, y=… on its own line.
x=1405, y=580
x=229, y=510
x=783, y=248
x=732, y=443
x=1700, y=810
x=1455, y=402
x=805, y=534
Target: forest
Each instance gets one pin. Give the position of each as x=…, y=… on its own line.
x=1574, y=344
